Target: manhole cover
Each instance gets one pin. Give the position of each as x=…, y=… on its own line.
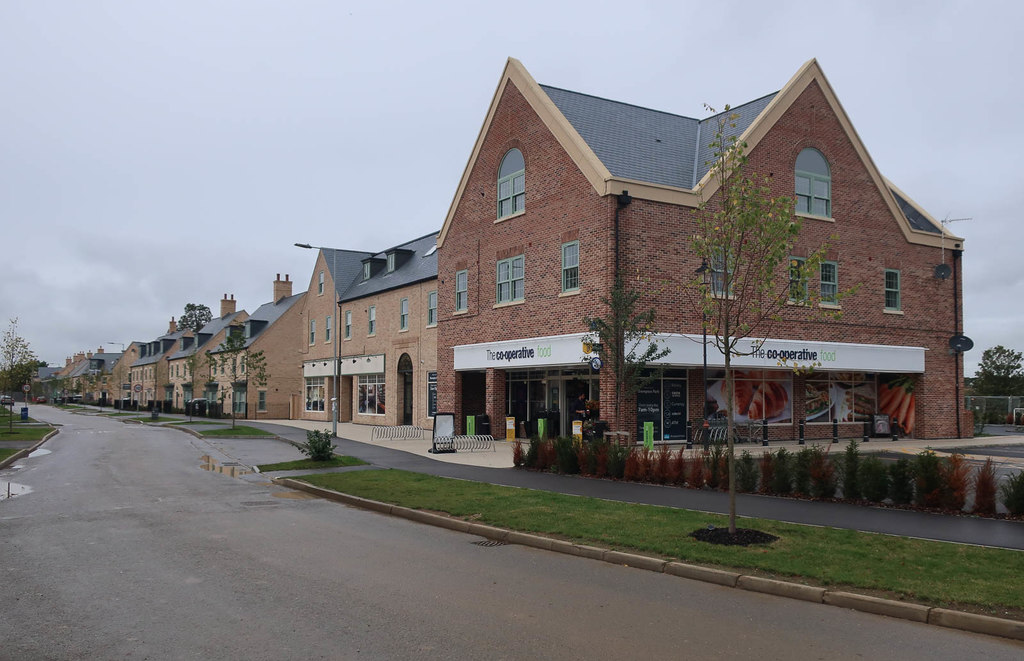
x=490, y=542
x=258, y=503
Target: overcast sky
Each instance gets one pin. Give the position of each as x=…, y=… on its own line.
x=154, y=154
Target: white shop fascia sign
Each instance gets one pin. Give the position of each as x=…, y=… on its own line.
x=782, y=354
x=517, y=354
x=351, y=365
x=313, y=368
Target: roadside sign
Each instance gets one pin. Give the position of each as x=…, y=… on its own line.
x=138, y=387
x=26, y=388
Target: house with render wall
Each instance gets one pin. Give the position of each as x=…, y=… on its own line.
x=562, y=188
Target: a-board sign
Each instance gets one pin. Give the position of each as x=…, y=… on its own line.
x=444, y=425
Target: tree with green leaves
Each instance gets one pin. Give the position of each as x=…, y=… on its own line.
x=17, y=361
x=230, y=357
x=999, y=373
x=194, y=317
x=626, y=335
x=256, y=371
x=745, y=238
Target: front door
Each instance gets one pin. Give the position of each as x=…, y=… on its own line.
x=407, y=398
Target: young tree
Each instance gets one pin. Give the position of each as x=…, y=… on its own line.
x=745, y=239
x=231, y=358
x=17, y=362
x=256, y=369
x=626, y=335
x=999, y=373
x=194, y=317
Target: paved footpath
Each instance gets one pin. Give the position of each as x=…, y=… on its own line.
x=494, y=468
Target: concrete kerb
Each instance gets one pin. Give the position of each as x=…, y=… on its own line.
x=20, y=454
x=983, y=624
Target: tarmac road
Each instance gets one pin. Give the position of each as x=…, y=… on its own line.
x=139, y=542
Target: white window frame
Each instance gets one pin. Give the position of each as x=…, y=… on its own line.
x=312, y=332
x=432, y=308
x=320, y=284
x=514, y=284
x=511, y=188
x=461, y=290
x=327, y=330
x=391, y=262
x=571, y=271
x=315, y=393
x=348, y=324
x=896, y=291
x=796, y=264
x=805, y=201
x=368, y=385
x=403, y=314
x=371, y=320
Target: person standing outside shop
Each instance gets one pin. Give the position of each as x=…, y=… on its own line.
x=579, y=411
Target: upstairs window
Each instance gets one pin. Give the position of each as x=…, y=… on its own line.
x=571, y=266
x=403, y=315
x=348, y=324
x=511, y=184
x=813, y=184
x=432, y=308
x=829, y=283
x=320, y=283
x=721, y=285
x=797, y=282
x=371, y=316
x=510, y=280
x=391, y=262
x=312, y=331
x=462, y=291
x=327, y=329
x=892, y=289
x=366, y=270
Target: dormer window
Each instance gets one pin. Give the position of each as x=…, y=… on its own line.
x=391, y=262
x=366, y=270
x=511, y=184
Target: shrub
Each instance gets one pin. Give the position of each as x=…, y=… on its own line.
x=318, y=445
x=713, y=460
x=583, y=458
x=1012, y=491
x=985, y=489
x=850, y=469
x=782, y=481
x=679, y=466
x=547, y=456
x=600, y=452
x=746, y=473
x=661, y=465
x=565, y=455
x=646, y=465
x=532, y=453
x=901, y=482
x=823, y=474
x=695, y=476
x=634, y=470
x=873, y=479
x=802, y=471
x=927, y=479
x=767, y=471
x=617, y=460
x=956, y=478
x=518, y=456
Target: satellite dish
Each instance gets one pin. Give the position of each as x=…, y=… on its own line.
x=961, y=343
x=942, y=271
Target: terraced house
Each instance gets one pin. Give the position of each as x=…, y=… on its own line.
x=564, y=189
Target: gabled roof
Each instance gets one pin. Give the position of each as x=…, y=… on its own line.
x=420, y=265
x=154, y=358
x=210, y=329
x=347, y=263
x=664, y=157
x=268, y=313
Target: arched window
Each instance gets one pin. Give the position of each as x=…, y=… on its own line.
x=813, y=184
x=511, y=184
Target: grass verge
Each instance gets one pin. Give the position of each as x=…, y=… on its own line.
x=187, y=423
x=146, y=418
x=121, y=414
x=6, y=452
x=24, y=433
x=934, y=573
x=240, y=430
x=308, y=464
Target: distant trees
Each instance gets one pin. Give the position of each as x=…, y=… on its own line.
x=999, y=373
x=194, y=317
x=18, y=363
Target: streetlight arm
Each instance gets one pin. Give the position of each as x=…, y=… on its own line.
x=304, y=245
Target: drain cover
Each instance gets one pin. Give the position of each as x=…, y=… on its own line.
x=490, y=542
x=258, y=503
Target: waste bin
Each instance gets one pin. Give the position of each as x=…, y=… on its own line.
x=24, y=413
x=483, y=425
x=154, y=415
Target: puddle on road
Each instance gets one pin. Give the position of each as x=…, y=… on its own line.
x=12, y=490
x=228, y=468
x=38, y=453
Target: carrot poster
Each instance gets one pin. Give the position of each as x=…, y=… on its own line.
x=896, y=398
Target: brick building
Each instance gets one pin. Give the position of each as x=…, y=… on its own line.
x=562, y=188
x=386, y=335
x=189, y=372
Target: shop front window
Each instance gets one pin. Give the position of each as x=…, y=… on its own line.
x=315, y=393
x=370, y=394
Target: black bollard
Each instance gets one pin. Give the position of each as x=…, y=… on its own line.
x=867, y=431
x=835, y=431
x=803, y=425
x=689, y=436
x=764, y=432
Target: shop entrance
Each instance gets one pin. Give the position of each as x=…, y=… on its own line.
x=551, y=396
x=405, y=375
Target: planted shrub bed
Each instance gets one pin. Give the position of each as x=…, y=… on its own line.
x=926, y=481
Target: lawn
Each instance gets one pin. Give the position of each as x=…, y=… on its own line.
x=186, y=423
x=240, y=430
x=147, y=418
x=6, y=452
x=933, y=573
x=308, y=464
x=21, y=433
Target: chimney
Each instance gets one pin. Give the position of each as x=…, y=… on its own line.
x=99, y=350
x=282, y=288
x=227, y=306
x=88, y=354
x=67, y=362
x=172, y=327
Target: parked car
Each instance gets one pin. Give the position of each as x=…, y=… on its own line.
x=196, y=406
x=6, y=400
x=40, y=399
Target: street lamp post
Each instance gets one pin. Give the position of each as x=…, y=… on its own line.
x=334, y=329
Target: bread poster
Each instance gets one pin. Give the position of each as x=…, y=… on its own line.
x=759, y=395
